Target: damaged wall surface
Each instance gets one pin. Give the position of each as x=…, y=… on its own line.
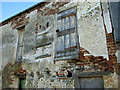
x=59, y=45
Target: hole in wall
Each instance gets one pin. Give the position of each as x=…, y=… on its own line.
x=40, y=27
x=47, y=25
x=69, y=73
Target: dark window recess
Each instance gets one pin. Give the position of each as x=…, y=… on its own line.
x=57, y=30
x=22, y=83
x=47, y=25
x=69, y=73
x=114, y=8
x=66, y=34
x=40, y=27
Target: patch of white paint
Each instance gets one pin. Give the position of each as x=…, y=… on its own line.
x=31, y=14
x=91, y=31
x=118, y=56
x=108, y=22
x=29, y=57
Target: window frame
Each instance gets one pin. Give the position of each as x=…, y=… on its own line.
x=68, y=31
x=19, y=51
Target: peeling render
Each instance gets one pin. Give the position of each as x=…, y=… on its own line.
x=30, y=41
x=93, y=38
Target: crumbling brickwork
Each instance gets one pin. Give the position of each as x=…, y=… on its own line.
x=31, y=51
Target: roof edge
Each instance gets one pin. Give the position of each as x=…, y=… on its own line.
x=25, y=11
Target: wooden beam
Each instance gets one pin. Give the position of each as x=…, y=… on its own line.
x=66, y=15
x=67, y=50
x=65, y=32
x=43, y=44
x=43, y=56
x=67, y=57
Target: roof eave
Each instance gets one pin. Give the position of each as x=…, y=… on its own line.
x=25, y=11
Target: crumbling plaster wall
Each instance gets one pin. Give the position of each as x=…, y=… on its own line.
x=9, y=43
x=44, y=37
x=37, y=35
x=92, y=38
x=91, y=33
x=91, y=29
x=29, y=37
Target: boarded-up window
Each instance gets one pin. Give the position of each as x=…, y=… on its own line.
x=66, y=35
x=115, y=17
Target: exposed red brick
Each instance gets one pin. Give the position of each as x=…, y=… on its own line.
x=47, y=8
x=12, y=73
x=63, y=69
x=20, y=21
x=60, y=73
x=11, y=83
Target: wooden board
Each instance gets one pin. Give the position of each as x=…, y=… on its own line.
x=91, y=82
